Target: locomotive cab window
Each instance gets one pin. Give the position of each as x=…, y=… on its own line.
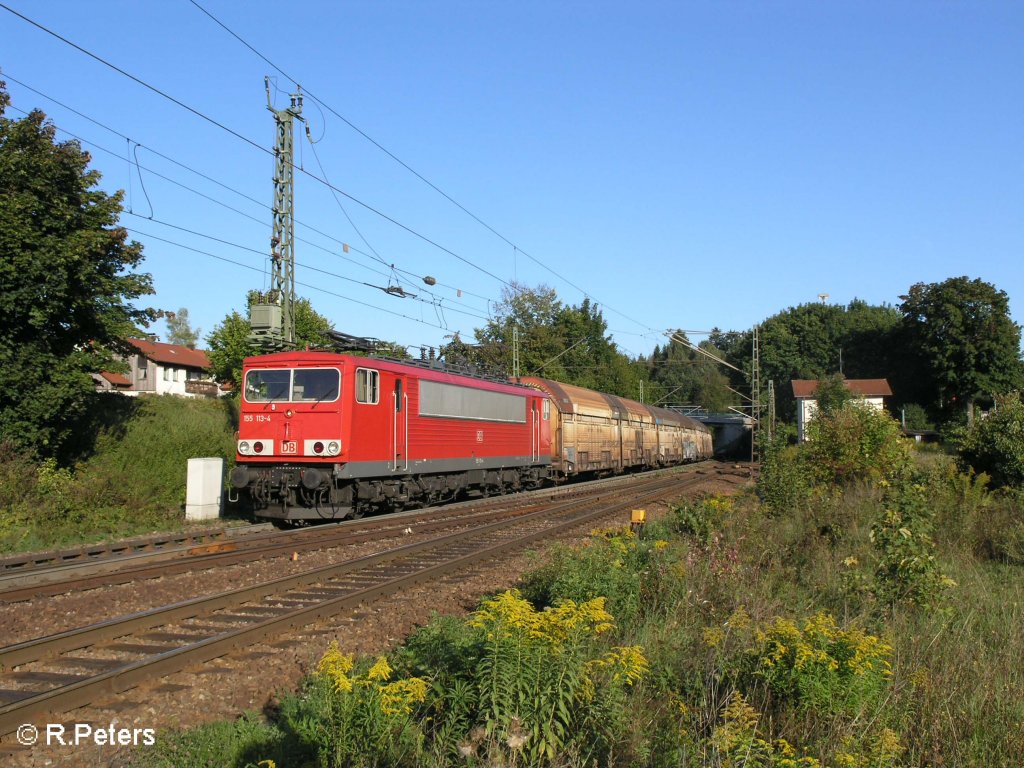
x=315, y=384
x=262, y=386
x=546, y=410
x=367, y=386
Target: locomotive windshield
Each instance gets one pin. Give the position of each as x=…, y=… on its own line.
x=302, y=385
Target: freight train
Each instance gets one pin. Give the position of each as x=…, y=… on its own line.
x=328, y=436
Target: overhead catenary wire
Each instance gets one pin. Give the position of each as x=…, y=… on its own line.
x=253, y=250
x=153, y=172
x=258, y=146
x=309, y=267
x=516, y=249
x=298, y=282
x=674, y=336
x=233, y=190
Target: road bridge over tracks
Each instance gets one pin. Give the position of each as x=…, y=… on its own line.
x=731, y=430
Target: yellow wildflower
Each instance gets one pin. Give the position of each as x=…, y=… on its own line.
x=336, y=665
x=381, y=670
x=398, y=697
x=739, y=620
x=713, y=636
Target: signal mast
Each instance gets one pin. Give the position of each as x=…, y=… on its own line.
x=272, y=313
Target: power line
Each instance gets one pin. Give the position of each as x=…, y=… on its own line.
x=406, y=166
x=313, y=176
x=305, y=285
x=212, y=180
x=304, y=266
x=227, y=242
x=132, y=77
x=196, y=192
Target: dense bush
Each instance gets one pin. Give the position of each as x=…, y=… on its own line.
x=818, y=665
x=637, y=576
x=907, y=567
x=855, y=442
x=538, y=685
x=785, y=483
x=995, y=444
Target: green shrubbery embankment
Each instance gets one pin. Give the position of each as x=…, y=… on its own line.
x=133, y=481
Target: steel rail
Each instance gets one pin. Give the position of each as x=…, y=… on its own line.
x=230, y=554
x=83, y=691
x=31, y=561
x=46, y=581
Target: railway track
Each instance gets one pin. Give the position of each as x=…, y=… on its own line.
x=72, y=669
x=154, y=546
x=53, y=573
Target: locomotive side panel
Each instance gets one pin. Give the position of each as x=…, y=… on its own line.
x=487, y=428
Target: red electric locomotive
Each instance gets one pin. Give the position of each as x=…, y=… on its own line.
x=325, y=436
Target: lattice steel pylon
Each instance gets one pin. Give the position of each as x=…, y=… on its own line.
x=755, y=394
x=515, y=352
x=272, y=315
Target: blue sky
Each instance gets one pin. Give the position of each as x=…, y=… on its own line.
x=686, y=165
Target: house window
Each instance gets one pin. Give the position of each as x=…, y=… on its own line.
x=167, y=374
x=143, y=368
x=367, y=386
x=179, y=375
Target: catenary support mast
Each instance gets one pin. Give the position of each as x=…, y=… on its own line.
x=272, y=314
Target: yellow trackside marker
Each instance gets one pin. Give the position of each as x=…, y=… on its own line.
x=637, y=520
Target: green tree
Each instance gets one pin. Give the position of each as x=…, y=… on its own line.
x=566, y=343
x=832, y=394
x=811, y=341
x=229, y=342
x=963, y=340
x=227, y=346
x=855, y=441
x=531, y=312
x=995, y=444
x=69, y=278
x=679, y=374
x=179, y=330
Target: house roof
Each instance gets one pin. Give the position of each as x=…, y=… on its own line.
x=171, y=354
x=864, y=387
x=116, y=379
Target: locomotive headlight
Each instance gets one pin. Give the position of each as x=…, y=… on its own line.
x=333, y=448
x=244, y=448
